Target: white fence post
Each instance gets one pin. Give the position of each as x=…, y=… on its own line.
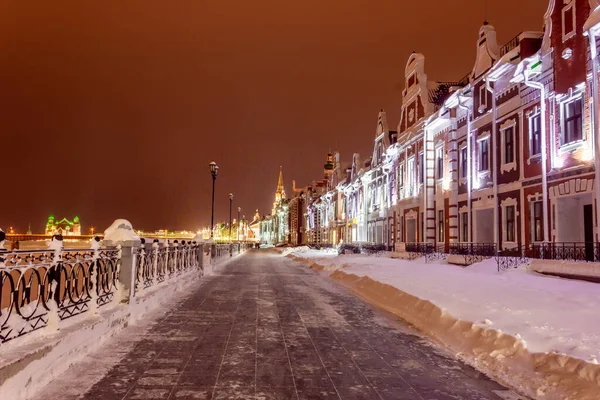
x=121, y=233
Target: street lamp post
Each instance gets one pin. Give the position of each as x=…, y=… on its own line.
x=238, y=221
x=230, y=244
x=214, y=170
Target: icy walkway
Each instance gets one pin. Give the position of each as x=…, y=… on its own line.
x=499, y=320
x=266, y=327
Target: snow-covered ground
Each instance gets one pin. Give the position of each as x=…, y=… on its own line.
x=539, y=333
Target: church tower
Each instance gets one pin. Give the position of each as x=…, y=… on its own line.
x=280, y=193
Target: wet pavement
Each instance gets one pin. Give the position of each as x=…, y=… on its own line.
x=267, y=327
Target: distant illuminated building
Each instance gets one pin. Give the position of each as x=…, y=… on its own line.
x=166, y=234
x=64, y=226
x=274, y=228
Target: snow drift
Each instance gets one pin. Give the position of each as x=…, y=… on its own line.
x=540, y=335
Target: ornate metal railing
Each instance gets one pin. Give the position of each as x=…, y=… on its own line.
x=376, y=249
x=431, y=251
x=158, y=262
x=418, y=249
x=561, y=251
x=511, y=44
x=566, y=251
x=512, y=258
x=37, y=286
x=473, y=252
x=437, y=252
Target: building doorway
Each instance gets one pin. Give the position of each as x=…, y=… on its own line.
x=574, y=219
x=411, y=230
x=484, y=225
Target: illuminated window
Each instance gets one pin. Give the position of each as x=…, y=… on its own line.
x=509, y=145
x=482, y=98
x=484, y=155
x=439, y=162
x=538, y=221
x=465, y=226
x=400, y=179
x=410, y=172
x=463, y=162
x=572, y=123
x=510, y=223
x=535, y=134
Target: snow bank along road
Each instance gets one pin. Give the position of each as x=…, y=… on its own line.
x=539, y=334
x=267, y=327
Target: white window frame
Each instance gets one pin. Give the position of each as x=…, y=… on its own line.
x=401, y=179
x=532, y=218
x=439, y=151
x=411, y=175
x=462, y=213
x=509, y=202
x=508, y=166
x=480, y=139
x=483, y=98
x=531, y=115
x=568, y=35
x=574, y=145
x=463, y=179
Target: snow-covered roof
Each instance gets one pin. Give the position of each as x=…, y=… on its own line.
x=593, y=21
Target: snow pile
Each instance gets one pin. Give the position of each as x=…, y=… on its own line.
x=120, y=231
x=289, y=250
x=566, y=268
x=539, y=334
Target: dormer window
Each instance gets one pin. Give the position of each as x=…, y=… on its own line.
x=482, y=98
x=568, y=20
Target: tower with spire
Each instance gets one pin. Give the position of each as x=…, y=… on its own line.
x=280, y=193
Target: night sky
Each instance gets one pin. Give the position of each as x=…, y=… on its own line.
x=113, y=109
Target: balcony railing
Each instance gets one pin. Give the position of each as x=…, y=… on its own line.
x=510, y=45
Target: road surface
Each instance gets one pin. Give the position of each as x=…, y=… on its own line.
x=267, y=327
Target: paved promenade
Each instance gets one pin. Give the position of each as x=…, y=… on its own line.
x=267, y=327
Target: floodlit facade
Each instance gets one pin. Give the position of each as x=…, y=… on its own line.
x=275, y=228
x=63, y=227
x=505, y=156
